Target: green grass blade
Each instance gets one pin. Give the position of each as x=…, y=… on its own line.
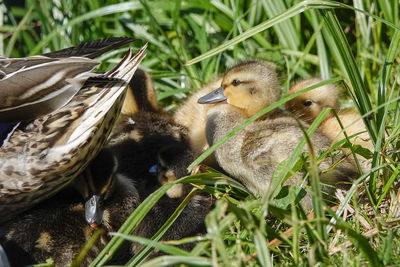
x=175, y=260
x=291, y=12
x=141, y=255
x=285, y=30
x=13, y=39
x=91, y=242
x=261, y=245
x=362, y=243
x=104, y=11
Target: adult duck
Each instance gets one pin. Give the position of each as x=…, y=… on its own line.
x=47, y=153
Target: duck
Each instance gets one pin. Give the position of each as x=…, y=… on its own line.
x=38, y=85
x=63, y=223
x=253, y=154
x=44, y=155
x=307, y=107
x=58, y=227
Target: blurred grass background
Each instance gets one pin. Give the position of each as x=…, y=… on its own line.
x=357, y=41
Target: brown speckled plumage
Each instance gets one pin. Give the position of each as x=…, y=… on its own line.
x=45, y=155
x=57, y=227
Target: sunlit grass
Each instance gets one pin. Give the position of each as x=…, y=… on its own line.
x=191, y=43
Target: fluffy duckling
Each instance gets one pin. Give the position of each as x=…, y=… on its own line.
x=152, y=150
x=193, y=116
x=143, y=133
x=58, y=228
x=307, y=106
x=253, y=154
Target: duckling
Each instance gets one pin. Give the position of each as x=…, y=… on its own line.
x=152, y=150
x=96, y=185
x=144, y=132
x=307, y=106
x=57, y=228
x=50, y=151
x=253, y=154
x=193, y=116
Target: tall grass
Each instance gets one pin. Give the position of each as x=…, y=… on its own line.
x=191, y=43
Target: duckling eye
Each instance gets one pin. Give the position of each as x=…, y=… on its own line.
x=235, y=82
x=307, y=103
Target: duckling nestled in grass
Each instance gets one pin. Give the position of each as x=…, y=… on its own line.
x=193, y=116
x=143, y=132
x=253, y=154
x=58, y=228
x=307, y=106
x=153, y=150
x=46, y=154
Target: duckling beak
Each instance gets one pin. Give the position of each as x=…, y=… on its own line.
x=94, y=211
x=213, y=97
x=153, y=169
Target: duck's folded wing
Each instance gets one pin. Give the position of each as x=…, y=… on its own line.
x=52, y=150
x=91, y=49
x=35, y=86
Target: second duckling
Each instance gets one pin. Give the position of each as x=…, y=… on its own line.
x=307, y=106
x=253, y=154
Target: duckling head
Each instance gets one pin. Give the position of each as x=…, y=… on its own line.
x=249, y=86
x=97, y=184
x=307, y=106
x=172, y=162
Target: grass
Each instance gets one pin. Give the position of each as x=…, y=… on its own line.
x=191, y=43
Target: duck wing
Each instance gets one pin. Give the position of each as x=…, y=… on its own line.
x=35, y=86
x=91, y=49
x=52, y=150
